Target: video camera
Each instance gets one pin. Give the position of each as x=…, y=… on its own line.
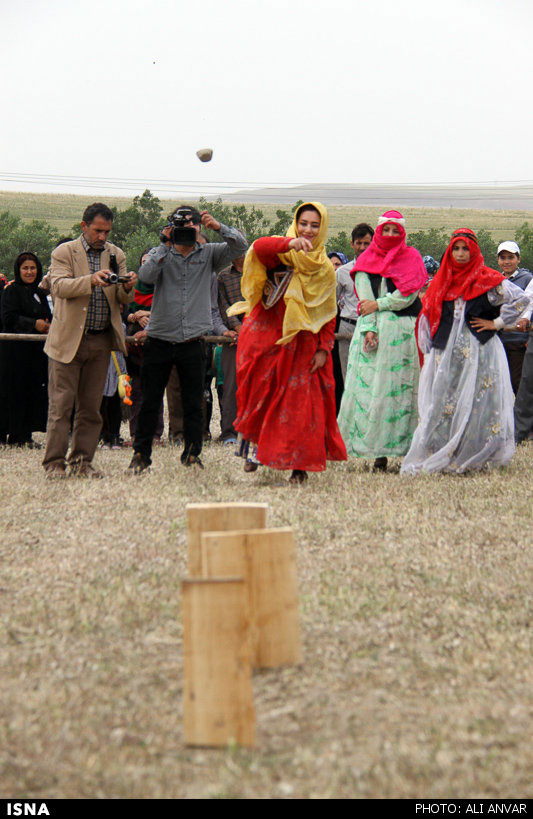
x=180, y=234
x=114, y=277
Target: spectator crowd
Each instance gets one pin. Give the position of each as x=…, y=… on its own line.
x=319, y=357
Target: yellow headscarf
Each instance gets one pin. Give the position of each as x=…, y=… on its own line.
x=310, y=298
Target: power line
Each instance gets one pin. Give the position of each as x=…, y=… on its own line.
x=123, y=182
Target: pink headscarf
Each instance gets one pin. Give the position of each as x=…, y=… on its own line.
x=390, y=257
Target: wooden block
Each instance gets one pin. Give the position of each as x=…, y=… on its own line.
x=219, y=517
x=217, y=694
x=266, y=559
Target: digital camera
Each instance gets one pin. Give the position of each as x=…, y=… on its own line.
x=114, y=278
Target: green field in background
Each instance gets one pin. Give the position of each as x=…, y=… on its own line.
x=63, y=210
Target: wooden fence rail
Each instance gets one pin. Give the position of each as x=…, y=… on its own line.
x=42, y=337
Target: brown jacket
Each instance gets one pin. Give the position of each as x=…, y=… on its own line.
x=71, y=290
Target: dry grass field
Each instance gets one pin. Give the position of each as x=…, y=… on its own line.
x=414, y=600
x=62, y=211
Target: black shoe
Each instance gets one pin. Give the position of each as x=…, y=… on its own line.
x=31, y=444
x=191, y=460
x=138, y=464
x=380, y=465
x=298, y=477
x=16, y=441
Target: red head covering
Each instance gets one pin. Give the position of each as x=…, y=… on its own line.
x=389, y=256
x=454, y=280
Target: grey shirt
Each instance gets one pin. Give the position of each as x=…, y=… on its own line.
x=219, y=328
x=346, y=298
x=181, y=308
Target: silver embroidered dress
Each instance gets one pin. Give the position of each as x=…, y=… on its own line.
x=465, y=399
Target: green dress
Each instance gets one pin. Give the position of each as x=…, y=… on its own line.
x=378, y=413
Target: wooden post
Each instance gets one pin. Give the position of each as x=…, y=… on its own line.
x=219, y=517
x=266, y=559
x=217, y=694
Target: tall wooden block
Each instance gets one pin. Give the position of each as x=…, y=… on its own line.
x=219, y=517
x=266, y=559
x=217, y=696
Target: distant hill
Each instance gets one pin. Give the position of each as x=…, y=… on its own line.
x=478, y=197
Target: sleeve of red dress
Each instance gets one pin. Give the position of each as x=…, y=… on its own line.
x=267, y=249
x=326, y=336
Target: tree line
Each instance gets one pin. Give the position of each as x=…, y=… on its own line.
x=137, y=227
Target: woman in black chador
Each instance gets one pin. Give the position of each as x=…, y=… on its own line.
x=23, y=364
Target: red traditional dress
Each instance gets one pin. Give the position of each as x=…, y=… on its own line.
x=283, y=408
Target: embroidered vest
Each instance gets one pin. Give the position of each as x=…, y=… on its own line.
x=479, y=307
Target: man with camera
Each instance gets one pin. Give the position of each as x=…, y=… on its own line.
x=89, y=282
x=181, y=272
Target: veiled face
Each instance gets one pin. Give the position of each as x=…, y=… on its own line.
x=336, y=262
x=308, y=224
x=28, y=271
x=460, y=252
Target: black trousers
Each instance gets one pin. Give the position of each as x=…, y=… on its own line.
x=515, y=356
x=111, y=412
x=157, y=361
x=229, y=399
x=523, y=408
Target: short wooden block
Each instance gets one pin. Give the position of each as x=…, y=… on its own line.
x=217, y=694
x=266, y=559
x=219, y=517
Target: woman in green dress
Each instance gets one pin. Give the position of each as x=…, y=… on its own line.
x=378, y=414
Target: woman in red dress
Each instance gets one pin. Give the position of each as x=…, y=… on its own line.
x=286, y=415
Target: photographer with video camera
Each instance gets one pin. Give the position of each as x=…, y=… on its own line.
x=181, y=271
x=89, y=282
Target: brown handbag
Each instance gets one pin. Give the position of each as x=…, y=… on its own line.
x=275, y=287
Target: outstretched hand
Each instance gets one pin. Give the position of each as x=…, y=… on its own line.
x=300, y=243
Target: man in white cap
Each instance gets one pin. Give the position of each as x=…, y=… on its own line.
x=514, y=342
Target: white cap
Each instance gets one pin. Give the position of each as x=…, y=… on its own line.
x=512, y=247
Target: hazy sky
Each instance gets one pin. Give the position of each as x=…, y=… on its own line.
x=338, y=91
